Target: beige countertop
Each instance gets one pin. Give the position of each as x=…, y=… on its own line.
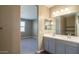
x=74, y=39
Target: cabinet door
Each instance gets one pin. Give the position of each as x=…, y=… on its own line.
x=60, y=47
x=51, y=46
x=71, y=49
x=46, y=43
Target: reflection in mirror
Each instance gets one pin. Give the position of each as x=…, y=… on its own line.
x=65, y=24
x=48, y=25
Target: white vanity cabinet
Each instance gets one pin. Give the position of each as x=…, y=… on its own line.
x=46, y=43
x=71, y=48
x=60, y=47
x=49, y=45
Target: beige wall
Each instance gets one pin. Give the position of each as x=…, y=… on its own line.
x=42, y=15
x=9, y=21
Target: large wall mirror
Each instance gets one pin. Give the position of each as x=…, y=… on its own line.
x=67, y=24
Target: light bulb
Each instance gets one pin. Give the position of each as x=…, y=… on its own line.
x=62, y=10
x=57, y=11
x=66, y=9
x=53, y=13
x=51, y=23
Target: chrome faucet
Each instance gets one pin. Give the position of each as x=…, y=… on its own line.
x=69, y=35
x=54, y=34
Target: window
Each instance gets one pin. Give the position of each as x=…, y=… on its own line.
x=22, y=26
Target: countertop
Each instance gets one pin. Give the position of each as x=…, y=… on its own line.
x=74, y=39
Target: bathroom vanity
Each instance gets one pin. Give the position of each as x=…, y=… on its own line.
x=61, y=44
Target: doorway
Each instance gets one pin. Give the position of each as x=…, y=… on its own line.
x=28, y=29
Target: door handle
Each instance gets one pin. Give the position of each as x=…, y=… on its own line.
x=1, y=28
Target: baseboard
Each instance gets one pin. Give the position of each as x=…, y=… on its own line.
x=38, y=52
x=29, y=37
x=3, y=52
x=26, y=37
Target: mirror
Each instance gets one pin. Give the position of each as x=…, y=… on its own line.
x=48, y=25
x=66, y=24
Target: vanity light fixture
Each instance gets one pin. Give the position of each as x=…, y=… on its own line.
x=51, y=23
x=62, y=10
x=66, y=9
x=57, y=12
x=54, y=13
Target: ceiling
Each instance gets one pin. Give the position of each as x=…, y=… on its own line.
x=29, y=12
x=49, y=6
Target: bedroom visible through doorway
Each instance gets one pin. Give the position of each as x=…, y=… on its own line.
x=28, y=29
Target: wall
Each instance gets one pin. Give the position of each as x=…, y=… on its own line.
x=28, y=12
x=43, y=13
x=28, y=28
x=10, y=34
x=35, y=28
